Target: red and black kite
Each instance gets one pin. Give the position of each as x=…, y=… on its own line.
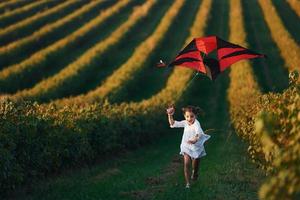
x=196, y=55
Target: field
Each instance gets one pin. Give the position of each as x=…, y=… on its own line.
x=82, y=102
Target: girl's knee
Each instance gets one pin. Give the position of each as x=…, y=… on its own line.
x=186, y=157
x=186, y=163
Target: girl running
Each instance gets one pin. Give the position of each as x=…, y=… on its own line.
x=193, y=139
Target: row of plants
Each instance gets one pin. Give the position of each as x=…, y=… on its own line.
x=18, y=76
x=269, y=123
x=12, y=17
x=176, y=83
x=67, y=13
x=243, y=91
x=127, y=71
x=37, y=140
x=289, y=18
x=266, y=70
x=295, y=5
x=77, y=73
x=25, y=27
x=277, y=127
x=8, y=6
x=289, y=49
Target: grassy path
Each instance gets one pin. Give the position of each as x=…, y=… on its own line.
x=226, y=172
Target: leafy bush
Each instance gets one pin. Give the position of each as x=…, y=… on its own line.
x=40, y=139
x=277, y=129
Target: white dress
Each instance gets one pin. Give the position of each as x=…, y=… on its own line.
x=190, y=131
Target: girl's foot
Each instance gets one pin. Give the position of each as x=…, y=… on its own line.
x=187, y=186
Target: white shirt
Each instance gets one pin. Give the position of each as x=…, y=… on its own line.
x=190, y=131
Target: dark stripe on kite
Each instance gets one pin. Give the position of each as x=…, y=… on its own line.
x=223, y=44
x=182, y=60
x=245, y=52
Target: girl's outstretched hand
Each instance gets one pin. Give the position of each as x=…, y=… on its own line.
x=193, y=141
x=170, y=110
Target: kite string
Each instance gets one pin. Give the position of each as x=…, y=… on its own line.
x=187, y=85
x=195, y=75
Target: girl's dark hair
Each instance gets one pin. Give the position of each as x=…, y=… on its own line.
x=194, y=109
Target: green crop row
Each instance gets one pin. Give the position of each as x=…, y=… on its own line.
x=8, y=6
x=9, y=18
x=27, y=45
x=33, y=68
x=126, y=72
x=18, y=30
x=196, y=31
x=77, y=73
x=243, y=91
x=289, y=49
x=37, y=140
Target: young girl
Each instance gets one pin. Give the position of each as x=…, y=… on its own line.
x=193, y=139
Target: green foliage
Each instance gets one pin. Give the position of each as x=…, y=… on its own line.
x=278, y=131
x=272, y=128
x=40, y=139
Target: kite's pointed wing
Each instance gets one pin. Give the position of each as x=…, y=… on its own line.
x=229, y=53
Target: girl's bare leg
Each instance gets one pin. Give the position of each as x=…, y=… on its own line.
x=195, y=164
x=187, y=160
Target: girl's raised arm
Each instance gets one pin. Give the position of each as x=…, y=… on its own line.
x=171, y=120
x=170, y=112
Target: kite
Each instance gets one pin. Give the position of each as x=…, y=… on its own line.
x=196, y=55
